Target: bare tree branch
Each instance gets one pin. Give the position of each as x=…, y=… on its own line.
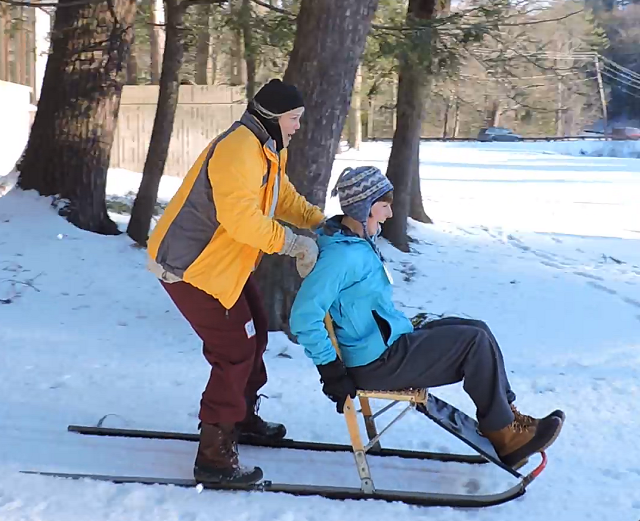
x=275, y=9
x=185, y=4
x=454, y=18
x=546, y=20
x=28, y=3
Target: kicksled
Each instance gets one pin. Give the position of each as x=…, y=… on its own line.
x=365, y=450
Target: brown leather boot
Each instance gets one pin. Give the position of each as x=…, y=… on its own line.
x=253, y=427
x=517, y=441
x=525, y=419
x=217, y=458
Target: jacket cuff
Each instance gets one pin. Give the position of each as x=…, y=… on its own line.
x=317, y=219
x=289, y=241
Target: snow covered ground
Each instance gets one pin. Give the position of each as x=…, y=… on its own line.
x=543, y=246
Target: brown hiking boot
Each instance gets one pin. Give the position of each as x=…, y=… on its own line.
x=525, y=419
x=217, y=458
x=519, y=440
x=255, y=428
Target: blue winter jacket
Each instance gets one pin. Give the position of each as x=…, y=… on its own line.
x=350, y=281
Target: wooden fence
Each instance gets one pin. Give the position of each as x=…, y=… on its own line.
x=203, y=112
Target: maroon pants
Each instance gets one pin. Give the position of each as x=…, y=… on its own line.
x=234, y=341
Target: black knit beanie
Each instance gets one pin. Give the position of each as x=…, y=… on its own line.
x=276, y=97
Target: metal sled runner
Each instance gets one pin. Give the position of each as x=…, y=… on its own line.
x=444, y=415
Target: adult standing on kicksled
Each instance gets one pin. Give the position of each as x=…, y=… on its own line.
x=204, y=250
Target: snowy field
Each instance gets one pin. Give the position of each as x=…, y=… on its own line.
x=544, y=247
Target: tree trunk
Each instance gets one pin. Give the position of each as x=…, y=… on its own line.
x=132, y=64
x=445, y=125
x=203, y=44
x=394, y=99
x=456, y=118
x=249, y=48
x=215, y=45
x=236, y=76
x=156, y=39
x=355, y=113
x=216, y=39
x=324, y=73
x=371, y=130
x=559, y=111
x=416, y=205
x=403, y=169
x=70, y=141
x=5, y=20
x=405, y=150
x=493, y=116
x=144, y=204
x=416, y=209
x=214, y=63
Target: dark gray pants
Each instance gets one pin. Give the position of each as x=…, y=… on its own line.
x=443, y=352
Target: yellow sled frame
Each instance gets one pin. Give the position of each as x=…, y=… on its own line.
x=413, y=397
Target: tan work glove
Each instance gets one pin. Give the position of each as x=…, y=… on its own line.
x=303, y=248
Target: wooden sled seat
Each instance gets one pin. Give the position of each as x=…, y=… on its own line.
x=414, y=396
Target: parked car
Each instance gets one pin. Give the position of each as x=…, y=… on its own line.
x=625, y=133
x=497, y=134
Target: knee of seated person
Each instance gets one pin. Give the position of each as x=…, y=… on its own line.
x=480, y=324
x=480, y=335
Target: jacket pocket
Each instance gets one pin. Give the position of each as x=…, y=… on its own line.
x=383, y=326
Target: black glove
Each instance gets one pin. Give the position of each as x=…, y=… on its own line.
x=337, y=384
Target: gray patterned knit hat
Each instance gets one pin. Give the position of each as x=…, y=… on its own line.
x=358, y=188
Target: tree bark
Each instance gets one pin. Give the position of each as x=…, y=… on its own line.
x=403, y=169
x=70, y=142
x=144, y=204
x=203, y=44
x=324, y=73
x=156, y=39
x=249, y=48
x=355, y=113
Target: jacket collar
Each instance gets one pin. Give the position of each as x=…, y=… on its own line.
x=252, y=123
x=334, y=225
x=334, y=228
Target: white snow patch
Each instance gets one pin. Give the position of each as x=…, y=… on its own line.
x=543, y=247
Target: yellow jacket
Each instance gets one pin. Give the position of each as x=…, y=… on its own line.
x=215, y=227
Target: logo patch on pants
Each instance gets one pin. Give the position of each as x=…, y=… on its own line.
x=250, y=328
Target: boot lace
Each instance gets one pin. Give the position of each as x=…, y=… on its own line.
x=522, y=419
x=256, y=408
